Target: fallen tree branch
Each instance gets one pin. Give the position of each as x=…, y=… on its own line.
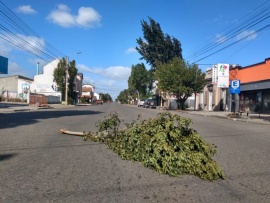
x=64, y=131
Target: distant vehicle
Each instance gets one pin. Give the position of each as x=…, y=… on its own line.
x=150, y=103
x=140, y=103
x=99, y=101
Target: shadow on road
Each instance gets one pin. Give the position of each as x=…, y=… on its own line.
x=8, y=156
x=4, y=105
x=4, y=157
x=12, y=120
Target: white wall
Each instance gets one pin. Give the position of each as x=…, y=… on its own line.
x=43, y=83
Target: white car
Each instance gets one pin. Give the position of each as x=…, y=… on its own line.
x=140, y=103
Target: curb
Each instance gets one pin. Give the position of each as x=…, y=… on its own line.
x=246, y=120
x=15, y=110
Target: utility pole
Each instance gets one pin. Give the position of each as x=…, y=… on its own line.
x=67, y=76
x=66, y=96
x=195, y=95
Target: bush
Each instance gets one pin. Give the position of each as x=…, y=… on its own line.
x=165, y=143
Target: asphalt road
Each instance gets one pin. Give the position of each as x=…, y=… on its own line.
x=37, y=164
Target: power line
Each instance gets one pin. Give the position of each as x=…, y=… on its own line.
x=248, y=21
x=14, y=24
x=265, y=27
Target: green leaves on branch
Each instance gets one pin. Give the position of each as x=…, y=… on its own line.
x=165, y=143
x=180, y=79
x=138, y=80
x=157, y=47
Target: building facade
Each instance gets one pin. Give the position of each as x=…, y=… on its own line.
x=88, y=93
x=213, y=97
x=44, y=83
x=254, y=94
x=16, y=87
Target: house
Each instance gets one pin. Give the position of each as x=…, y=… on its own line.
x=87, y=93
x=15, y=87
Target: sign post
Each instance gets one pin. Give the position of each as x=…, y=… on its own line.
x=235, y=90
x=235, y=87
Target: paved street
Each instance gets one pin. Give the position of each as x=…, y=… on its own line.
x=37, y=164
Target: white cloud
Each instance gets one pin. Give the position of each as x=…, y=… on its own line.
x=248, y=34
x=113, y=72
x=109, y=80
x=131, y=50
x=87, y=17
x=29, y=43
x=26, y=9
x=62, y=16
x=32, y=44
x=110, y=86
x=220, y=38
x=5, y=47
x=15, y=69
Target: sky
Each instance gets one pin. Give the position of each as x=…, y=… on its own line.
x=105, y=33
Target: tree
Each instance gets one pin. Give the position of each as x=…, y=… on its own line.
x=59, y=75
x=157, y=48
x=138, y=80
x=180, y=79
x=123, y=96
x=72, y=72
x=105, y=97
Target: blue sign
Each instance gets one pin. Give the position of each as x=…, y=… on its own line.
x=3, y=65
x=235, y=87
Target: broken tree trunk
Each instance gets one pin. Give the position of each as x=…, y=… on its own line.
x=64, y=131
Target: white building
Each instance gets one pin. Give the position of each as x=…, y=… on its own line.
x=15, y=87
x=44, y=83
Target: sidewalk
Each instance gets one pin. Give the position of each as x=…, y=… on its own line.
x=254, y=118
x=17, y=107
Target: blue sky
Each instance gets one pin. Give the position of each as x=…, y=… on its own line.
x=105, y=32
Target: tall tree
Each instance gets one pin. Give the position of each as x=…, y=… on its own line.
x=72, y=72
x=138, y=79
x=180, y=79
x=59, y=75
x=157, y=48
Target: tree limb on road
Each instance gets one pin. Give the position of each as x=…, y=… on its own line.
x=64, y=131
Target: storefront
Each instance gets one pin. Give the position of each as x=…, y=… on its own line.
x=255, y=100
x=254, y=96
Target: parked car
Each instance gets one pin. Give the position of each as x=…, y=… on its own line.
x=150, y=103
x=99, y=101
x=140, y=103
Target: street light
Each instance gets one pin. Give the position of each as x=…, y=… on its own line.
x=66, y=93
